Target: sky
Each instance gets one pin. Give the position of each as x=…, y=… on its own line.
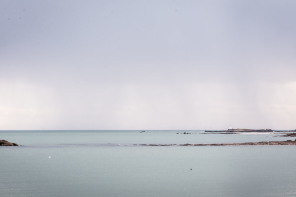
x=139, y=64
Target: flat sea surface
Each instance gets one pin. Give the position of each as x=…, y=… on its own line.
x=108, y=164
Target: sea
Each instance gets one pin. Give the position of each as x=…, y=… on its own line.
x=89, y=163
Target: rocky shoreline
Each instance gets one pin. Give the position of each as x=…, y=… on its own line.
x=289, y=135
x=228, y=131
x=264, y=143
x=7, y=143
x=240, y=131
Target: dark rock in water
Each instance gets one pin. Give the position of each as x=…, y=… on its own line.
x=289, y=135
x=185, y=133
x=220, y=132
x=6, y=143
x=240, y=131
x=269, y=143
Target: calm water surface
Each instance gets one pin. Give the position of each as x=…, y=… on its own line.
x=81, y=163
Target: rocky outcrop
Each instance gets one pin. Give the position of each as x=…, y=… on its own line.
x=270, y=143
x=240, y=130
x=185, y=133
x=289, y=135
x=6, y=143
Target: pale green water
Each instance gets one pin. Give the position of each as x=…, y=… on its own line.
x=75, y=164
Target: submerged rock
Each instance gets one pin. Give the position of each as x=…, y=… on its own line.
x=7, y=143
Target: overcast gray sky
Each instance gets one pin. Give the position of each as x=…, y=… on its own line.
x=169, y=64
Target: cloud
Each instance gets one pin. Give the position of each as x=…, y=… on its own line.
x=139, y=65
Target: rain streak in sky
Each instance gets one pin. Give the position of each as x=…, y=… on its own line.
x=172, y=64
